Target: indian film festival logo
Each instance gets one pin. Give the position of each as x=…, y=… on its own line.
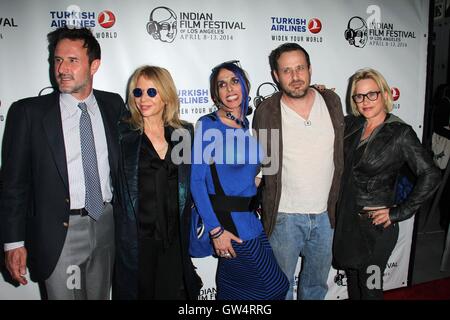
x=376, y=32
x=7, y=23
x=296, y=29
x=356, y=32
x=340, y=278
x=164, y=25
x=209, y=293
x=75, y=17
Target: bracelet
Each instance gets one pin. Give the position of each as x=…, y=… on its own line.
x=217, y=234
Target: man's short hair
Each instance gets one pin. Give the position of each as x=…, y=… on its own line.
x=285, y=47
x=85, y=34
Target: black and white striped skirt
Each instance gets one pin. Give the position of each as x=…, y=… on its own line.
x=253, y=275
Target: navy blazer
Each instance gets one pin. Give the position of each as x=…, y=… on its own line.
x=125, y=284
x=35, y=201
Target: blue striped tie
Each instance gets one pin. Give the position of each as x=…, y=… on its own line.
x=93, y=194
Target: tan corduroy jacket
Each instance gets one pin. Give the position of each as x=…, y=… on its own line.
x=268, y=116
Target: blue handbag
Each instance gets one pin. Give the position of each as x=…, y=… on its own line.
x=200, y=245
x=404, y=184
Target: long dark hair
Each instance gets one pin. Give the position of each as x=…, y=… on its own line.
x=243, y=80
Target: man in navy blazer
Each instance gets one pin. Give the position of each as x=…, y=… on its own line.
x=44, y=220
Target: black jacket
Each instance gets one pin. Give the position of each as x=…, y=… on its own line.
x=125, y=284
x=372, y=180
x=35, y=201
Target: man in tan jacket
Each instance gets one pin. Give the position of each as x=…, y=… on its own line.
x=299, y=197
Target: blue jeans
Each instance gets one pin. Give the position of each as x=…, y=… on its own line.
x=310, y=236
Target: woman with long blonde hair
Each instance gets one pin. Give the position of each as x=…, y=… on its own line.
x=153, y=260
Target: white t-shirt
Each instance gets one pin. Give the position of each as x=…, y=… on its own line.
x=308, y=167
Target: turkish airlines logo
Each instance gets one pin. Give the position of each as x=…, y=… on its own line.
x=395, y=93
x=106, y=19
x=314, y=25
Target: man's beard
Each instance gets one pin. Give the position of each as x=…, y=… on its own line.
x=75, y=89
x=295, y=94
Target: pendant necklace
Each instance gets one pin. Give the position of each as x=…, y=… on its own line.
x=307, y=123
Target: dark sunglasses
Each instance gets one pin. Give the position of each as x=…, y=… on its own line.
x=235, y=62
x=137, y=92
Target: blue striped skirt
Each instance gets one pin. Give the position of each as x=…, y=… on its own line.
x=253, y=275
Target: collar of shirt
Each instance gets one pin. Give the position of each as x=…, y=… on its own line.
x=70, y=104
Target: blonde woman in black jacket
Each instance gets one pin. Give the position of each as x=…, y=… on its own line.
x=152, y=260
x=376, y=146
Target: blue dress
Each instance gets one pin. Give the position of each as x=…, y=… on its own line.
x=254, y=274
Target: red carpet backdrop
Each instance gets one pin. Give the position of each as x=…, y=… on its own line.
x=433, y=290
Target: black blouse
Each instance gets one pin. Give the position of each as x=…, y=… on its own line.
x=158, y=194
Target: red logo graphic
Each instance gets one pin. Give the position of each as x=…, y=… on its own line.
x=106, y=19
x=395, y=93
x=314, y=25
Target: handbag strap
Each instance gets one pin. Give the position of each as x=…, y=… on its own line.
x=215, y=176
x=224, y=216
x=233, y=203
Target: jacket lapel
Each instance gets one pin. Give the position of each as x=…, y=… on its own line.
x=183, y=176
x=53, y=129
x=276, y=113
x=277, y=155
x=130, y=149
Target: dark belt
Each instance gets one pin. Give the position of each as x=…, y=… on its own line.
x=233, y=203
x=82, y=212
x=78, y=212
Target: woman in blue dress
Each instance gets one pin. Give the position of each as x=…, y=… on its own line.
x=226, y=160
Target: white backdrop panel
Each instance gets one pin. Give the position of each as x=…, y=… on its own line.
x=211, y=31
